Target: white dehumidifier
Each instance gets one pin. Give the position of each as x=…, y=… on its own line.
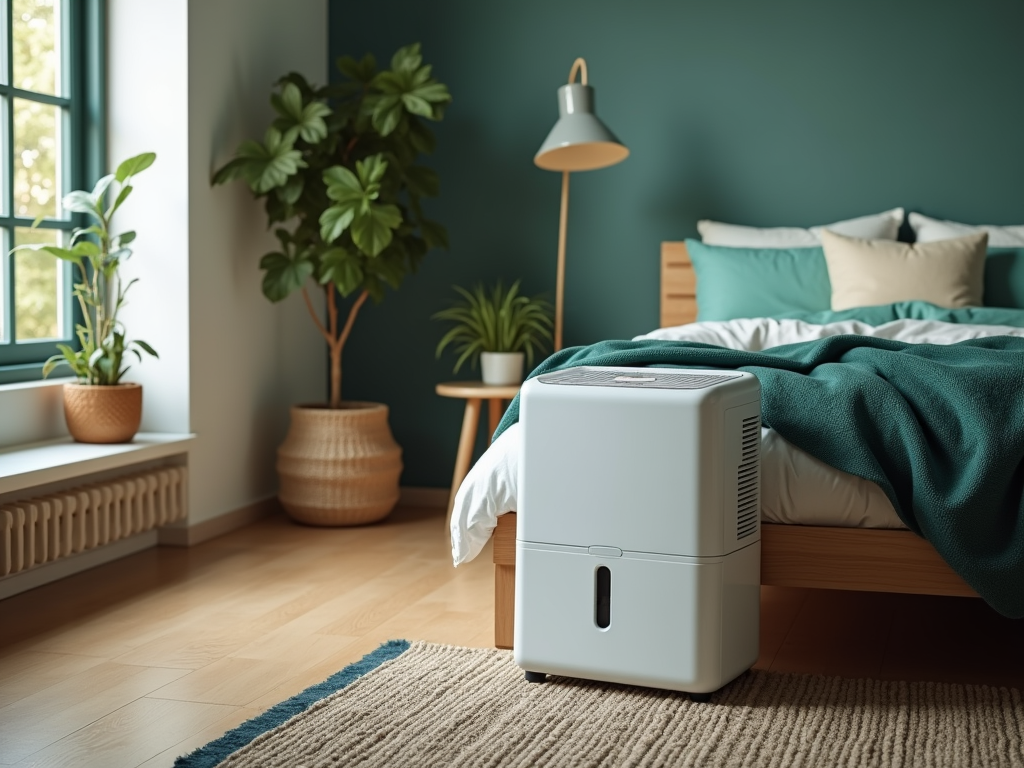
x=638, y=545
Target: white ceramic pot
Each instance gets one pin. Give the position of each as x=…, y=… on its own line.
x=502, y=368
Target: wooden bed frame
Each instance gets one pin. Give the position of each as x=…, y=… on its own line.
x=873, y=560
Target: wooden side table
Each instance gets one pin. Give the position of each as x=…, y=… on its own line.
x=474, y=393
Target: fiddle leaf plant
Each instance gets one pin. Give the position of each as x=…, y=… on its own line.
x=338, y=171
x=97, y=255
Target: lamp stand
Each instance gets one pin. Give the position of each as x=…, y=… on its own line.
x=563, y=221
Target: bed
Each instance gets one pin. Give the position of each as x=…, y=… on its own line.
x=818, y=556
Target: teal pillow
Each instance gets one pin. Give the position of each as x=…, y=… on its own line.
x=1004, y=278
x=758, y=282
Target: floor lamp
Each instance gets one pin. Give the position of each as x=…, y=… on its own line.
x=578, y=142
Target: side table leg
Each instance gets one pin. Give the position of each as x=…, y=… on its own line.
x=470, y=422
x=495, y=410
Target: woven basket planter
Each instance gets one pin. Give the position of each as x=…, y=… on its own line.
x=339, y=467
x=103, y=414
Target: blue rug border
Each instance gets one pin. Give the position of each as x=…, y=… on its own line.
x=216, y=751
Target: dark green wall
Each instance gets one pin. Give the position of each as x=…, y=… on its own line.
x=762, y=113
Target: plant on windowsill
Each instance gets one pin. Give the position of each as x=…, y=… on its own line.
x=100, y=407
x=338, y=172
x=499, y=328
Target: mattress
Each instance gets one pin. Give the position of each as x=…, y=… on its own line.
x=796, y=488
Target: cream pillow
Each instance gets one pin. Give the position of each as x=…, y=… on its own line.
x=866, y=273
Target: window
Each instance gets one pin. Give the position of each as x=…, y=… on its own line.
x=51, y=131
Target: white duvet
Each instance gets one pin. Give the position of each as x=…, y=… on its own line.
x=795, y=487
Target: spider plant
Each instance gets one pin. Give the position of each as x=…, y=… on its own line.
x=496, y=321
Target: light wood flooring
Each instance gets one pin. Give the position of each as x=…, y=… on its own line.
x=147, y=658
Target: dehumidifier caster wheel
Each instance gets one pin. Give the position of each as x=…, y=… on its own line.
x=700, y=698
x=536, y=677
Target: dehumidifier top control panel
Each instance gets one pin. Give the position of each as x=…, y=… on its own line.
x=588, y=377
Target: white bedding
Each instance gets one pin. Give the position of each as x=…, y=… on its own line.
x=795, y=487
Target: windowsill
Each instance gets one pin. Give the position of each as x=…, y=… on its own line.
x=36, y=384
x=50, y=461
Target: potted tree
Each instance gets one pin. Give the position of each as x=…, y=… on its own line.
x=338, y=171
x=499, y=328
x=100, y=407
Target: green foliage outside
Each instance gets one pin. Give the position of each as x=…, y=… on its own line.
x=96, y=254
x=36, y=152
x=496, y=321
x=339, y=168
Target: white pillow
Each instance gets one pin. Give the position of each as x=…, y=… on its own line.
x=928, y=230
x=880, y=226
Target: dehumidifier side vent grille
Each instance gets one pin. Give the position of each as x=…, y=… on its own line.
x=747, y=481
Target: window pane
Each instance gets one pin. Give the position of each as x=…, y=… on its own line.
x=36, y=31
x=36, y=159
x=4, y=293
x=38, y=308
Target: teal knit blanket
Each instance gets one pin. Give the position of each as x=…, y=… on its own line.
x=940, y=429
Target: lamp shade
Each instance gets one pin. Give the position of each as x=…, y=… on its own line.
x=579, y=141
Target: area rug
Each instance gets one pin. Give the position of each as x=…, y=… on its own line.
x=422, y=704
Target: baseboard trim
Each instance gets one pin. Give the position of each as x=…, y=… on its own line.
x=191, y=535
x=17, y=583
x=413, y=496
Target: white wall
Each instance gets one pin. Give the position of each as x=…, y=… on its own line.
x=250, y=359
x=189, y=80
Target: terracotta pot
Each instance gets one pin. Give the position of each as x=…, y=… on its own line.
x=103, y=413
x=339, y=467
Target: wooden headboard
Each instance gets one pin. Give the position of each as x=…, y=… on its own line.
x=678, y=286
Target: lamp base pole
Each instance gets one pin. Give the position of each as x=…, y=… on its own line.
x=560, y=279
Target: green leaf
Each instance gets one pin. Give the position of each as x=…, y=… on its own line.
x=56, y=250
x=80, y=201
x=372, y=231
x=407, y=59
x=121, y=197
x=82, y=248
x=342, y=184
x=283, y=275
x=291, y=101
x=336, y=220
x=387, y=114
x=371, y=171
x=125, y=237
x=417, y=105
x=388, y=266
x=233, y=169
x=292, y=191
x=341, y=268
x=101, y=188
x=435, y=93
x=145, y=347
x=271, y=163
x=306, y=120
x=134, y=165
x=362, y=70
x=312, y=127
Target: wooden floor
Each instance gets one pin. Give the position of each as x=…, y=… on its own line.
x=141, y=660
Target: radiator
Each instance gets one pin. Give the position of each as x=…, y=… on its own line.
x=49, y=527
